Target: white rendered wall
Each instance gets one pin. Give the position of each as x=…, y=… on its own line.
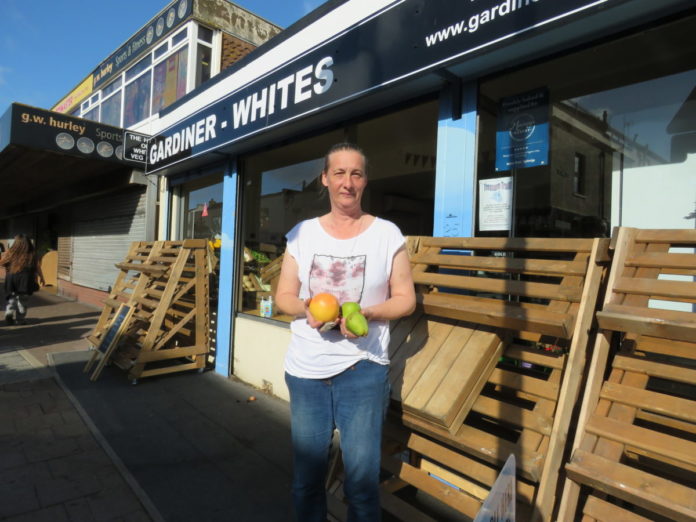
x=259, y=354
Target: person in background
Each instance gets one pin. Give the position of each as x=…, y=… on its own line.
x=335, y=379
x=21, y=272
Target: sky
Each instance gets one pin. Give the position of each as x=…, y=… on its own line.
x=47, y=47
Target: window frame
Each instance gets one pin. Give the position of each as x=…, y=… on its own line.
x=190, y=29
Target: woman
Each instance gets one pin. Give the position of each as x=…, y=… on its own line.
x=335, y=379
x=21, y=270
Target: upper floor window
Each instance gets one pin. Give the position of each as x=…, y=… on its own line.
x=137, y=100
x=579, y=174
x=156, y=81
x=170, y=80
x=204, y=54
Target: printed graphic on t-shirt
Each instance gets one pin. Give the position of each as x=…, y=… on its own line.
x=344, y=277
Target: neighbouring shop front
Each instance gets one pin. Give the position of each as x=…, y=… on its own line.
x=69, y=188
x=527, y=118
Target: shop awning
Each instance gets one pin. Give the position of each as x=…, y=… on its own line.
x=48, y=159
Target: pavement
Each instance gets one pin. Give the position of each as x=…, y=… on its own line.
x=181, y=447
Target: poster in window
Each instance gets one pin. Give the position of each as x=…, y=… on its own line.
x=171, y=79
x=522, y=136
x=495, y=204
x=181, y=72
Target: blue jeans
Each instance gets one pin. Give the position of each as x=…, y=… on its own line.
x=354, y=401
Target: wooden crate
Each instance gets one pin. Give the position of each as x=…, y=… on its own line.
x=635, y=446
x=471, y=379
x=166, y=283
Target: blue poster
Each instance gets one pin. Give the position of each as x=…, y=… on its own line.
x=522, y=137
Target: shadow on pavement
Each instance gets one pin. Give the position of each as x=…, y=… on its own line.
x=195, y=443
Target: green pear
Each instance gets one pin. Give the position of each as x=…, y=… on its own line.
x=357, y=324
x=349, y=307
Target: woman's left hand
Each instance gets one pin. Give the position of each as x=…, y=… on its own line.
x=346, y=333
x=367, y=312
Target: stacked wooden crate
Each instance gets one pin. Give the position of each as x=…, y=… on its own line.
x=166, y=283
x=635, y=450
x=489, y=365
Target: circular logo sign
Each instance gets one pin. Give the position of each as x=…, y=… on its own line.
x=105, y=149
x=182, y=8
x=160, y=27
x=65, y=141
x=522, y=127
x=150, y=35
x=171, y=15
x=85, y=145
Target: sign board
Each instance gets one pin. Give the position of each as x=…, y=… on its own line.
x=53, y=131
x=495, y=204
x=152, y=33
x=423, y=36
x=109, y=341
x=118, y=324
x=135, y=147
x=499, y=505
x=522, y=137
x=78, y=94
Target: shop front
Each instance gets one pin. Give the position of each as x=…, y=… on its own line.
x=67, y=185
x=515, y=118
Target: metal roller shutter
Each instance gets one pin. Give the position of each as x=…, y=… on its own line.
x=103, y=230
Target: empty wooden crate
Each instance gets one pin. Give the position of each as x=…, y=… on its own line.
x=490, y=364
x=635, y=450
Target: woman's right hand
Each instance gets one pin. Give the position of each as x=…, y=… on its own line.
x=311, y=321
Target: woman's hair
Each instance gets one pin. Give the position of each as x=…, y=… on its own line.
x=20, y=255
x=343, y=146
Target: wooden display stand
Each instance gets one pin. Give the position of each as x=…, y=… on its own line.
x=166, y=285
x=459, y=409
x=635, y=445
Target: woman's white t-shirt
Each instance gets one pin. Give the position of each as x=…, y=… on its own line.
x=356, y=269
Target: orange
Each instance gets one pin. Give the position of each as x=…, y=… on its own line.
x=324, y=307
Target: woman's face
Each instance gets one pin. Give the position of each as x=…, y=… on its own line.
x=345, y=178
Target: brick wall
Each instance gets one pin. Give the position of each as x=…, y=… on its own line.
x=81, y=293
x=233, y=49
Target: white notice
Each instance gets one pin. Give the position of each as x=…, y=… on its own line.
x=495, y=204
x=500, y=502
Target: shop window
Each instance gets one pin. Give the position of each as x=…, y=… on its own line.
x=202, y=209
x=169, y=80
x=617, y=123
x=201, y=218
x=205, y=34
x=111, y=110
x=112, y=87
x=203, y=62
x=137, y=100
x=579, y=175
x=162, y=50
x=282, y=187
x=179, y=37
x=92, y=114
x=139, y=67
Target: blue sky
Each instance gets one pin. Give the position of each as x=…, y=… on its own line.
x=48, y=46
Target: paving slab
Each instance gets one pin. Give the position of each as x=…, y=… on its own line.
x=194, y=443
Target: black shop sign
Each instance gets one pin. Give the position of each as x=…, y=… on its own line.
x=47, y=130
x=405, y=39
